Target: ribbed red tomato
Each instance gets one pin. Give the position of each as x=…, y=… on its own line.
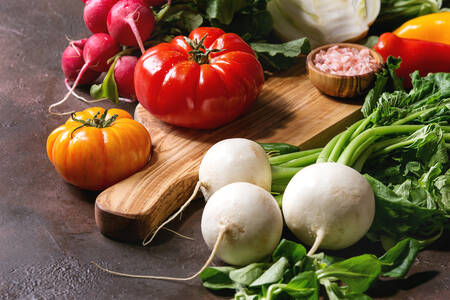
x=202, y=82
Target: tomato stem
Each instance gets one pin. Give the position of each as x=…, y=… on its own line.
x=199, y=53
x=96, y=121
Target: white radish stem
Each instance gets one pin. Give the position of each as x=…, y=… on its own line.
x=319, y=238
x=145, y=242
x=83, y=69
x=205, y=265
x=130, y=20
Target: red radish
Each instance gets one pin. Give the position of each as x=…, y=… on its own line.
x=98, y=49
x=130, y=22
x=72, y=61
x=155, y=2
x=124, y=76
x=95, y=14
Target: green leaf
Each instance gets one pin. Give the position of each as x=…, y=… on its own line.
x=357, y=272
x=217, y=278
x=224, y=10
x=398, y=217
x=273, y=274
x=289, y=49
x=248, y=274
x=303, y=286
x=108, y=88
x=392, y=65
x=280, y=56
x=292, y=251
x=397, y=260
x=337, y=292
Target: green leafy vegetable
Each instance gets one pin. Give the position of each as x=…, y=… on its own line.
x=397, y=260
x=273, y=274
x=293, y=275
x=281, y=56
x=108, y=88
x=357, y=272
x=395, y=12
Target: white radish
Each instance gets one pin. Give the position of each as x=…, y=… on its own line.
x=328, y=205
x=250, y=218
x=241, y=224
x=228, y=161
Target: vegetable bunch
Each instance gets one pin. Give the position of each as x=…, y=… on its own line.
x=124, y=29
x=291, y=274
x=402, y=145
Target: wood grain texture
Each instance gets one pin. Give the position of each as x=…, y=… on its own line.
x=289, y=110
x=340, y=85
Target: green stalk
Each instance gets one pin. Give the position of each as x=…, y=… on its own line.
x=342, y=141
x=347, y=157
x=362, y=126
x=283, y=173
x=278, y=187
x=284, y=158
x=362, y=148
x=302, y=161
x=326, y=151
x=414, y=115
x=359, y=164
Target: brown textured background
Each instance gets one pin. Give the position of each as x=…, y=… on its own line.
x=48, y=234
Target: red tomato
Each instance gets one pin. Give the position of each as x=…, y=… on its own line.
x=199, y=90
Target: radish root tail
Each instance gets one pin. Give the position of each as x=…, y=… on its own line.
x=83, y=69
x=135, y=30
x=147, y=241
x=319, y=238
x=205, y=265
x=66, y=82
x=179, y=234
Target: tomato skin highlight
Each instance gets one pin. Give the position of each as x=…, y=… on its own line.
x=178, y=90
x=96, y=158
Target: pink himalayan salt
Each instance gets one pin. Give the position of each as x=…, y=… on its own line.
x=345, y=61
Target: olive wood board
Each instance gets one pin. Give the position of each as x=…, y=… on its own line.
x=289, y=109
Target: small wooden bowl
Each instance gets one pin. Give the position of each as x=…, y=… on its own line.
x=343, y=86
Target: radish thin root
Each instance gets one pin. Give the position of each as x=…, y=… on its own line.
x=319, y=238
x=132, y=22
x=179, y=234
x=205, y=265
x=83, y=69
x=147, y=241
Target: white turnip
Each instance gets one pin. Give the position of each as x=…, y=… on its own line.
x=250, y=219
x=130, y=22
x=328, y=205
x=241, y=224
x=228, y=161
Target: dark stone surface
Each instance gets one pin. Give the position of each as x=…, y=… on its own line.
x=48, y=234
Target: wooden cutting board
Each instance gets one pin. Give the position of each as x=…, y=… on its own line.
x=289, y=109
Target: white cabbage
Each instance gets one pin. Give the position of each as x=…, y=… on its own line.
x=323, y=21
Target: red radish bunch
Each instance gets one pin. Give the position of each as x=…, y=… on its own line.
x=113, y=23
x=72, y=61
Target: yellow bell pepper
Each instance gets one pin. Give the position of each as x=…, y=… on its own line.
x=433, y=27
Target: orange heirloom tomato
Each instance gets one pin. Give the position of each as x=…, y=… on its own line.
x=96, y=148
